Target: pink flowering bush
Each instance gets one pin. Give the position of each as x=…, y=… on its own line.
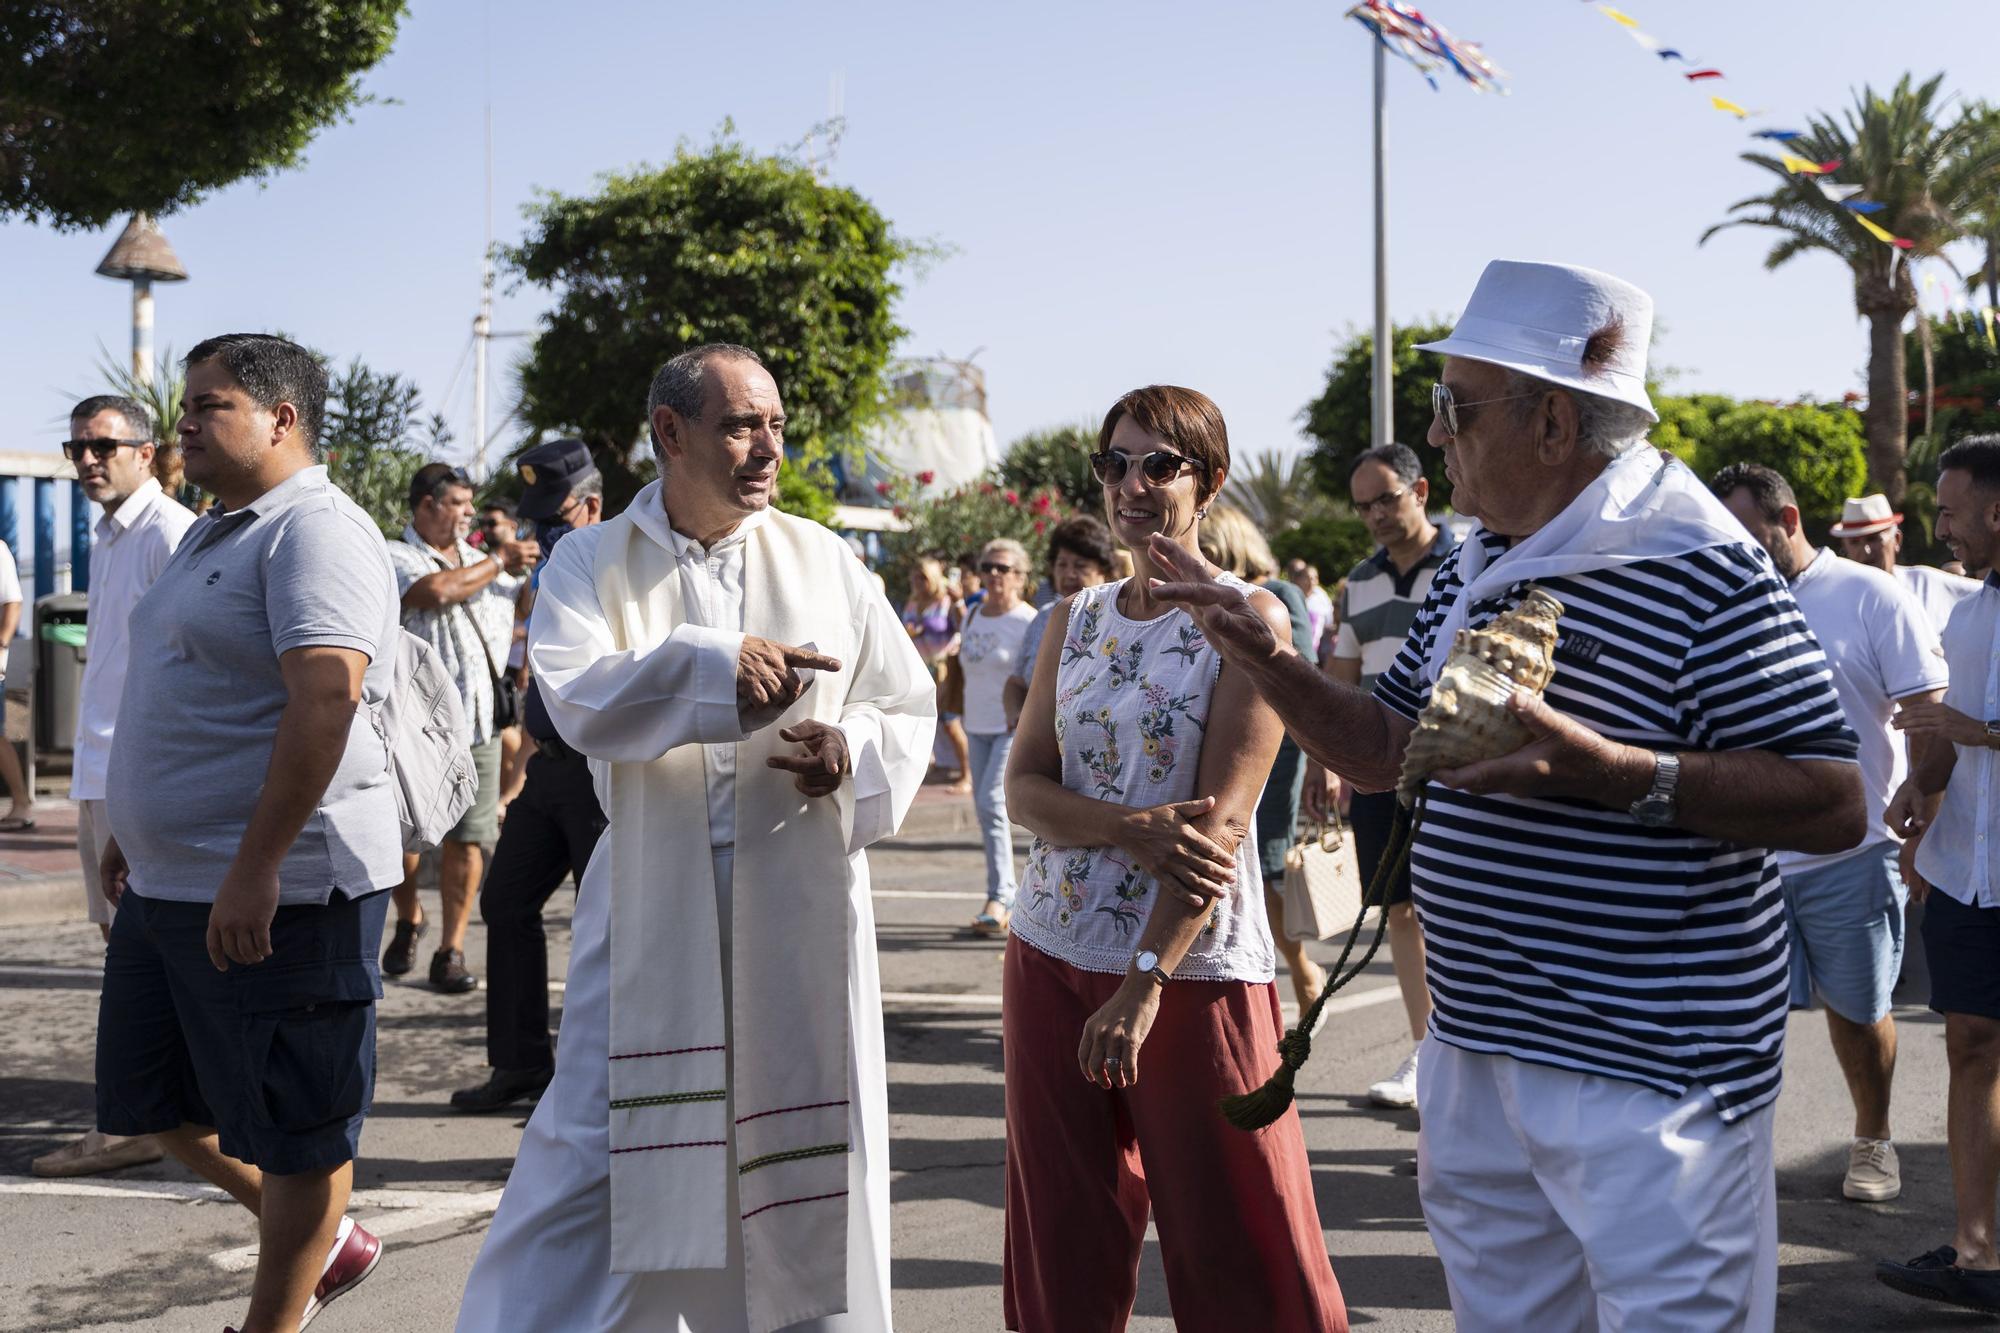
x=965, y=519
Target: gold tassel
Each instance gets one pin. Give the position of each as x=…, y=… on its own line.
x=1261, y=1106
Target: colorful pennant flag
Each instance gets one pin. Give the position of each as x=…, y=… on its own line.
x=1834, y=192
x=1883, y=236
x=1427, y=47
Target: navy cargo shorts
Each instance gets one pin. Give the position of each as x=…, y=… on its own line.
x=278, y=1057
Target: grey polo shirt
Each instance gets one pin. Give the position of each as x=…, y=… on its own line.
x=301, y=566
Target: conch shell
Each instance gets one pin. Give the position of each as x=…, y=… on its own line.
x=1466, y=719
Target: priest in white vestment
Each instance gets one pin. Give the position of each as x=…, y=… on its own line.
x=713, y=1153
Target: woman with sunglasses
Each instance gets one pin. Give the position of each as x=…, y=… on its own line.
x=988, y=648
x=1141, y=932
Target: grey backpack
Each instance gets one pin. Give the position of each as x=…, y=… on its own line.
x=422, y=724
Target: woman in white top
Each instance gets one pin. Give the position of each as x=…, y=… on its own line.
x=1141, y=930
x=988, y=648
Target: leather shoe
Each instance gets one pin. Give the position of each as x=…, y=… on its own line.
x=401, y=955
x=502, y=1090
x=448, y=972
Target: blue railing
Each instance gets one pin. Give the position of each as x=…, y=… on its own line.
x=42, y=557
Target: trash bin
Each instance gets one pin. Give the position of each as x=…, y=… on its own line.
x=59, y=630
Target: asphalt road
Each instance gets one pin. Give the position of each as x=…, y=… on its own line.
x=150, y=1248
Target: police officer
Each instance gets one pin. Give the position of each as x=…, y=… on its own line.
x=552, y=827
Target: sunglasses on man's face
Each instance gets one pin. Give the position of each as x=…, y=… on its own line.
x=101, y=450
x=1446, y=408
x=995, y=567
x=1158, y=467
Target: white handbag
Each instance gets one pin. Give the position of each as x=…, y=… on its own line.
x=1322, y=882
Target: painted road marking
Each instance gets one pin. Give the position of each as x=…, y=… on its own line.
x=1339, y=1004
x=385, y=1211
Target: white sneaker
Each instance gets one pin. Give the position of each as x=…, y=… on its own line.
x=1873, y=1174
x=1400, y=1088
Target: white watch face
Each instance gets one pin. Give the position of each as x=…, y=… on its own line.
x=1147, y=960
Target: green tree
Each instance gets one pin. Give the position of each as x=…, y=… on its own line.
x=1687, y=423
x=1338, y=420
x=1930, y=168
x=1821, y=451
x=720, y=245
x=376, y=437
x=1275, y=491
x=1057, y=458
x=113, y=106
x=1332, y=543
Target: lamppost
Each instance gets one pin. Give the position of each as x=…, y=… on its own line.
x=142, y=257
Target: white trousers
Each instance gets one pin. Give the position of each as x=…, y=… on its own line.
x=546, y=1264
x=1563, y=1201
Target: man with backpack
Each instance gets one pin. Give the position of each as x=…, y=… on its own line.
x=459, y=599
x=256, y=827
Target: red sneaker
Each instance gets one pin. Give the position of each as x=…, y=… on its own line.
x=354, y=1255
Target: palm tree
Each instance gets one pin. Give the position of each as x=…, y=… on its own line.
x=1275, y=492
x=1930, y=168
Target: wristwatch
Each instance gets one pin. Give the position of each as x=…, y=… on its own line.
x=1993, y=727
x=1656, y=808
x=1148, y=964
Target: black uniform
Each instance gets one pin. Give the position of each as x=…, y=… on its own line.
x=552, y=828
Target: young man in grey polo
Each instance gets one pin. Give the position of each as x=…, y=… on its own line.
x=254, y=830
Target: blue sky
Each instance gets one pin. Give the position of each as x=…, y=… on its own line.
x=1132, y=193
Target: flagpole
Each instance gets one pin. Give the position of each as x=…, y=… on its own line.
x=1382, y=418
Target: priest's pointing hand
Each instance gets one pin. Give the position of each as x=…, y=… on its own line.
x=767, y=675
x=824, y=764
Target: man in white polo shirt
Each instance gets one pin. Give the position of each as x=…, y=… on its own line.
x=1949, y=811
x=112, y=445
x=1846, y=909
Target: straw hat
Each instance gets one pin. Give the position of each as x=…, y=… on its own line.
x=1541, y=319
x=1869, y=514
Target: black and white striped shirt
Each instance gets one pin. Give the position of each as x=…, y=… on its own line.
x=1563, y=933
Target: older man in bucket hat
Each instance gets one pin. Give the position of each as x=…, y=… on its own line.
x=1605, y=934
x=1871, y=533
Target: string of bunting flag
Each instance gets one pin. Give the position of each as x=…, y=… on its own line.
x=1846, y=195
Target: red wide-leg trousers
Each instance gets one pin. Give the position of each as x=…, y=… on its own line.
x=1238, y=1229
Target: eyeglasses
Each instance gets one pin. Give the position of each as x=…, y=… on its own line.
x=1446, y=408
x=995, y=567
x=1158, y=467
x=1385, y=502
x=101, y=450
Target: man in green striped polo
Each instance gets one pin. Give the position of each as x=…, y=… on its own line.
x=1379, y=601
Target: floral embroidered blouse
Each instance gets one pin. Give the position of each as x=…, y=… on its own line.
x=1131, y=712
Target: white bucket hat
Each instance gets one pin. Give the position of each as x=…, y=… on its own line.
x=1538, y=319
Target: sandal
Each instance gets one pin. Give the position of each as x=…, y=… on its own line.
x=992, y=922
x=17, y=823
